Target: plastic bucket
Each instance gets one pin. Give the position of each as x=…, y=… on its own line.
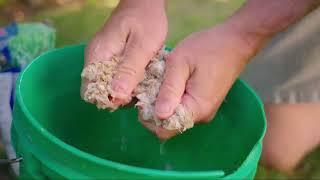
x=60, y=136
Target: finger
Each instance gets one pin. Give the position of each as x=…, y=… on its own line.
x=173, y=86
x=106, y=43
x=204, y=95
x=161, y=133
x=131, y=69
x=100, y=49
x=192, y=106
x=83, y=88
x=164, y=134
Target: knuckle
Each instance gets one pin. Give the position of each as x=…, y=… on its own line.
x=171, y=58
x=139, y=48
x=204, y=111
x=169, y=90
x=208, y=111
x=127, y=69
x=134, y=44
x=178, y=55
x=124, y=20
x=140, y=44
x=208, y=117
x=175, y=61
x=131, y=20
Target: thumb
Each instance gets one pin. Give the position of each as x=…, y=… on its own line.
x=173, y=86
x=130, y=71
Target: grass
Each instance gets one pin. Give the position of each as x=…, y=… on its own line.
x=78, y=23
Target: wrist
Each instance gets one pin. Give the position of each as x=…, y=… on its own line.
x=243, y=44
x=258, y=20
x=252, y=35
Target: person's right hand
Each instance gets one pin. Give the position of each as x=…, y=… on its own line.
x=135, y=31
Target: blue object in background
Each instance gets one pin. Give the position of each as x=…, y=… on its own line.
x=8, y=31
x=6, y=34
x=6, y=53
x=20, y=43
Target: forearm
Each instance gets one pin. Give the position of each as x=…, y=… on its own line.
x=259, y=20
x=143, y=3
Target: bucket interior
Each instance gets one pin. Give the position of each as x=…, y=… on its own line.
x=50, y=91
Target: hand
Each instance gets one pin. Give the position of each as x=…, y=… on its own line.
x=200, y=71
x=135, y=31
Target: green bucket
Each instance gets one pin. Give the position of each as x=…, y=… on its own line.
x=59, y=136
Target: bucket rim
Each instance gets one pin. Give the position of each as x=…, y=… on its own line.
x=125, y=167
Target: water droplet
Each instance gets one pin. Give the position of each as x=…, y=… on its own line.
x=168, y=167
x=29, y=138
x=123, y=146
x=162, y=147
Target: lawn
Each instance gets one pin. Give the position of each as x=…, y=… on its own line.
x=77, y=23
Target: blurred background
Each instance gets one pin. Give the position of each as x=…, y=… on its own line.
x=75, y=21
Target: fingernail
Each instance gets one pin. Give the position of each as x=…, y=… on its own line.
x=163, y=109
x=120, y=86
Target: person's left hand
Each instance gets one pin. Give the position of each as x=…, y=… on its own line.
x=199, y=73
x=135, y=31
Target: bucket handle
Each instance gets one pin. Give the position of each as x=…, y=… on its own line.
x=10, y=161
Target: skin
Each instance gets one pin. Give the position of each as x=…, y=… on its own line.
x=133, y=27
x=292, y=133
x=202, y=68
